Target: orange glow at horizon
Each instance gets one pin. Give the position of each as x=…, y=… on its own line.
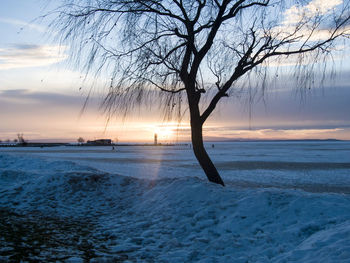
x=63, y=123
x=170, y=132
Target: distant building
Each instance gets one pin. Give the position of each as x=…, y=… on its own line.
x=100, y=142
x=155, y=139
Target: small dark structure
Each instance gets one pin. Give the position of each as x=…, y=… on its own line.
x=155, y=139
x=100, y=142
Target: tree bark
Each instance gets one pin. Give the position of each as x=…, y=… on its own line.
x=202, y=155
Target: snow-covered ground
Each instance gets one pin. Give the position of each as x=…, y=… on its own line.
x=284, y=202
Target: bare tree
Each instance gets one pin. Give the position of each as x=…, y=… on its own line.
x=21, y=139
x=80, y=140
x=172, y=50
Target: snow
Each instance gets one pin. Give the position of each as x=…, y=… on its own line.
x=152, y=204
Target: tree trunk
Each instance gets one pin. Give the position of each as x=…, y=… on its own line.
x=202, y=155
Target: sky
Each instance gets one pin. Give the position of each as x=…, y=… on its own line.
x=42, y=98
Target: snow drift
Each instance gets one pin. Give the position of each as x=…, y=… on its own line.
x=61, y=210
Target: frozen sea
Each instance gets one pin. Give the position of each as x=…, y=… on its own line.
x=283, y=202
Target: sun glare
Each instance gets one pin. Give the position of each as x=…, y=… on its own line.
x=164, y=132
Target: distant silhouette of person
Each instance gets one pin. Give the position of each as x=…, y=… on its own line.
x=212, y=146
x=113, y=148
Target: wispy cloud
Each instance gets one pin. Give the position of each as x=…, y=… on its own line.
x=276, y=134
x=40, y=98
x=300, y=20
x=22, y=56
x=172, y=131
x=23, y=24
x=297, y=13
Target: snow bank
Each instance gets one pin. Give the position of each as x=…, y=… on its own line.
x=88, y=214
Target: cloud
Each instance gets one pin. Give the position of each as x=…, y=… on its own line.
x=173, y=131
x=23, y=24
x=25, y=97
x=302, y=21
x=215, y=133
x=24, y=56
x=297, y=13
x=339, y=53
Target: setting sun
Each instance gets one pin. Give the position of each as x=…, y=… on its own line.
x=164, y=132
